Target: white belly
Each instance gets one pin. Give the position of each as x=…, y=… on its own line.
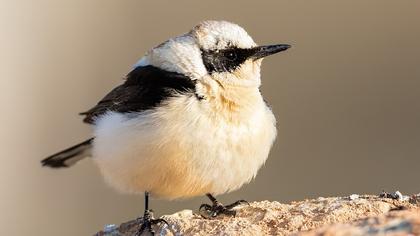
x=182, y=152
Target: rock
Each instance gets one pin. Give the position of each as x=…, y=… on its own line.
x=405, y=222
x=353, y=215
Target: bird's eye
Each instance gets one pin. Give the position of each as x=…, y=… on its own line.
x=231, y=55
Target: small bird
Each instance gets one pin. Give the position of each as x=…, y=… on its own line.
x=189, y=120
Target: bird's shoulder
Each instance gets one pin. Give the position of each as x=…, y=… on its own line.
x=144, y=88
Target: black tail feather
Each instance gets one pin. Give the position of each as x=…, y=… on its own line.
x=69, y=156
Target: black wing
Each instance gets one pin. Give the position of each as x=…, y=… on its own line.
x=145, y=88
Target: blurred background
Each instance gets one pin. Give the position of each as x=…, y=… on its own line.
x=346, y=97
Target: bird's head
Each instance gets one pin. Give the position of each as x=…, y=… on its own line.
x=218, y=50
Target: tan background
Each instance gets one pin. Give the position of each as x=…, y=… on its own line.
x=346, y=97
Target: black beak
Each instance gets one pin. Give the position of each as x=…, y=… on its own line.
x=263, y=51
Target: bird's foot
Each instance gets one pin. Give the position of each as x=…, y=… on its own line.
x=212, y=211
x=147, y=221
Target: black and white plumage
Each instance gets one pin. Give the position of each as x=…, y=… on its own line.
x=144, y=88
x=188, y=120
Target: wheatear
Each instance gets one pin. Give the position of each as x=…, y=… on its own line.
x=189, y=120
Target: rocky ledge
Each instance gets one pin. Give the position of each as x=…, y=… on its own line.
x=387, y=213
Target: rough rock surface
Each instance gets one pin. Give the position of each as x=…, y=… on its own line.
x=390, y=214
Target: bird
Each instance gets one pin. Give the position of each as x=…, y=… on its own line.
x=188, y=120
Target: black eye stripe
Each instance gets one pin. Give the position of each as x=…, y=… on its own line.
x=226, y=60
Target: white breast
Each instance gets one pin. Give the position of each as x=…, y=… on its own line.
x=178, y=150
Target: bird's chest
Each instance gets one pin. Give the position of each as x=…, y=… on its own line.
x=183, y=148
x=217, y=126
x=223, y=148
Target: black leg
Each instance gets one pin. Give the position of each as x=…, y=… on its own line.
x=211, y=211
x=147, y=221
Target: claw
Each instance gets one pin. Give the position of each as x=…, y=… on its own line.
x=206, y=207
x=212, y=211
x=159, y=221
x=148, y=222
x=237, y=203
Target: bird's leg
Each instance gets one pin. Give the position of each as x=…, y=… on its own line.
x=211, y=211
x=147, y=221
